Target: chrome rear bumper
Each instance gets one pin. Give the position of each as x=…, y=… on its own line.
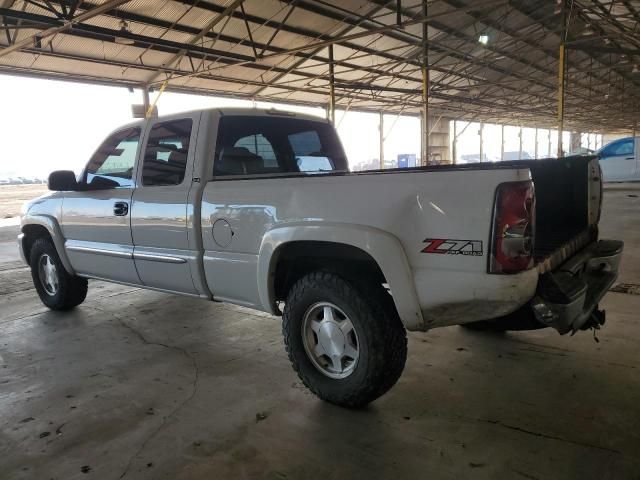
x=567, y=298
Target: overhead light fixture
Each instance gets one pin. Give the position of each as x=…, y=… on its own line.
x=636, y=68
x=483, y=39
x=124, y=30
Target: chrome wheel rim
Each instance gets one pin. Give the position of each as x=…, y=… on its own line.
x=330, y=340
x=48, y=275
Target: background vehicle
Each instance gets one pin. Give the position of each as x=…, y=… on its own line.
x=257, y=208
x=620, y=160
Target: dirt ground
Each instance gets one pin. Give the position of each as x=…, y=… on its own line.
x=13, y=196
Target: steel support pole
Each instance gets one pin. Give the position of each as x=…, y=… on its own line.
x=561, y=80
x=535, y=155
x=332, y=89
x=425, y=88
x=381, y=128
x=502, y=143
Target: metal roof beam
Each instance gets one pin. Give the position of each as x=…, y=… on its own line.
x=105, y=7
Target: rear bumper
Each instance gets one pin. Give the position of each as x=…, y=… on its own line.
x=567, y=298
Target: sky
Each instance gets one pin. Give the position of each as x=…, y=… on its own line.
x=48, y=125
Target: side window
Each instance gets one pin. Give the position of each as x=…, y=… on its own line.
x=269, y=144
x=622, y=147
x=307, y=149
x=112, y=164
x=165, y=157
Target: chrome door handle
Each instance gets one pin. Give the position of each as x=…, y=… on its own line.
x=120, y=209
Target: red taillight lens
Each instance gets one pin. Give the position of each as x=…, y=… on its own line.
x=513, y=228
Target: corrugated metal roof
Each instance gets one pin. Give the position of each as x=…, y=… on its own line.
x=279, y=49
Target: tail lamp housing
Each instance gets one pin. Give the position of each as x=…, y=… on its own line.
x=513, y=233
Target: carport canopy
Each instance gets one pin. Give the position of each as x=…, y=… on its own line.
x=524, y=62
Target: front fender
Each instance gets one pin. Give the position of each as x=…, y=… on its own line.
x=53, y=227
x=383, y=247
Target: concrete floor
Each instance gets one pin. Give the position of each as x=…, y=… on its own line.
x=137, y=384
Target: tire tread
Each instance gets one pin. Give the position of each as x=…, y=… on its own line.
x=376, y=308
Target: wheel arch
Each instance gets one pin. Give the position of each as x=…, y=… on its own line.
x=377, y=252
x=41, y=226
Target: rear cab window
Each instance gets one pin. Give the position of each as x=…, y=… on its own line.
x=263, y=145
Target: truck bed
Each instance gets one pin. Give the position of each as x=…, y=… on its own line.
x=562, y=202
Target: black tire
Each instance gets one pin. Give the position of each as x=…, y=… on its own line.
x=382, y=341
x=70, y=290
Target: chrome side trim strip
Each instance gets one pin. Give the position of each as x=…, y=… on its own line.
x=158, y=258
x=100, y=251
x=144, y=287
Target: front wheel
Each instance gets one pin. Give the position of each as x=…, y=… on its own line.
x=343, y=338
x=57, y=289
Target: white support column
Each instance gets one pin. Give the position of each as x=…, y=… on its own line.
x=520, y=150
x=480, y=132
x=145, y=97
x=454, y=143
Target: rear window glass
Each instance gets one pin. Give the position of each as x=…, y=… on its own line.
x=266, y=145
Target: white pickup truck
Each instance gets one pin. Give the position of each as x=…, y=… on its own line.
x=258, y=208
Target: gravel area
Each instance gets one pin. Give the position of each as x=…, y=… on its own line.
x=13, y=196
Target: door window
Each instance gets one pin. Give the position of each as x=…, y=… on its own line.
x=112, y=164
x=621, y=147
x=165, y=157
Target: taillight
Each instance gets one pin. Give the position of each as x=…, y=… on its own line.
x=513, y=228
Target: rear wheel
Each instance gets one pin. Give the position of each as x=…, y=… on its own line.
x=57, y=289
x=344, y=338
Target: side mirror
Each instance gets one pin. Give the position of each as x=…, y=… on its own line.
x=62, y=181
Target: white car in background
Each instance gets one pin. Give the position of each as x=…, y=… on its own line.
x=620, y=160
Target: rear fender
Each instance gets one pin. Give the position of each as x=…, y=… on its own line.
x=383, y=247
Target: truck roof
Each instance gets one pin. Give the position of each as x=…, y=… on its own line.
x=236, y=111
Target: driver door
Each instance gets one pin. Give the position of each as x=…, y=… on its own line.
x=618, y=160
x=96, y=222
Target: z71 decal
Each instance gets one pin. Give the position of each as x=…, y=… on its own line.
x=449, y=246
